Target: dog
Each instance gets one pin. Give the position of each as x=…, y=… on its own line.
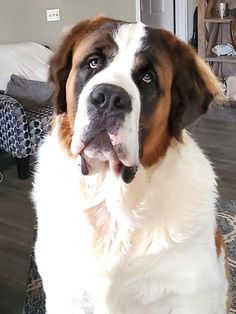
x=125, y=198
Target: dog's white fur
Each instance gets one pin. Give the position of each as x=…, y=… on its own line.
x=156, y=251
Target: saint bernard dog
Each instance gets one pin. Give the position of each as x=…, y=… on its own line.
x=125, y=198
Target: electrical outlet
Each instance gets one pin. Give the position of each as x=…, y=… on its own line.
x=53, y=15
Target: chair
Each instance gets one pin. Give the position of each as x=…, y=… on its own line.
x=22, y=130
x=23, y=124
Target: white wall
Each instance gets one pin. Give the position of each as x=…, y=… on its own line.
x=191, y=5
x=25, y=20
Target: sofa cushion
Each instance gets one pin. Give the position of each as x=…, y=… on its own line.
x=28, y=60
x=29, y=91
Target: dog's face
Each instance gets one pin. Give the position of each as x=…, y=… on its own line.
x=126, y=90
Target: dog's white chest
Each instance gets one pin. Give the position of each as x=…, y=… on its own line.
x=128, y=254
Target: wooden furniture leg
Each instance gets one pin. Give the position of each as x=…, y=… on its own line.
x=23, y=167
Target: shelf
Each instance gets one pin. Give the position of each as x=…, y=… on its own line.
x=212, y=58
x=227, y=19
x=212, y=30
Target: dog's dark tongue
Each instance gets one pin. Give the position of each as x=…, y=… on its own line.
x=128, y=173
x=84, y=166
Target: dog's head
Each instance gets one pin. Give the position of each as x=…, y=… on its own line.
x=125, y=90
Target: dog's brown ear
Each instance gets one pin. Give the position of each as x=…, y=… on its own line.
x=194, y=86
x=61, y=63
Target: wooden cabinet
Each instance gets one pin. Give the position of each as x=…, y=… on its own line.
x=213, y=30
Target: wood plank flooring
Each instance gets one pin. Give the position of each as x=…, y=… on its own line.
x=216, y=134
x=16, y=235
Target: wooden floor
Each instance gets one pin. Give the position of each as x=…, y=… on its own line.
x=16, y=234
x=216, y=134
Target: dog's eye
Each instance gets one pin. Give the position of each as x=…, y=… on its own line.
x=148, y=77
x=94, y=62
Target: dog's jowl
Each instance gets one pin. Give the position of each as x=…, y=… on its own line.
x=125, y=198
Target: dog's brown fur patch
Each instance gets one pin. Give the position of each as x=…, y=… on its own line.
x=158, y=137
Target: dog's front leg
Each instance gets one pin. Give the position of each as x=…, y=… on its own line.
x=105, y=310
x=67, y=301
x=202, y=303
x=100, y=305
x=99, y=293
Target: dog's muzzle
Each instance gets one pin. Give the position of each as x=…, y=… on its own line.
x=101, y=139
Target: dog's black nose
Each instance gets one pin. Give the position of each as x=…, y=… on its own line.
x=111, y=98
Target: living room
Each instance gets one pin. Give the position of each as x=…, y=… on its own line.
x=31, y=33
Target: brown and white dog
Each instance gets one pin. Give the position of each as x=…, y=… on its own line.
x=125, y=198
